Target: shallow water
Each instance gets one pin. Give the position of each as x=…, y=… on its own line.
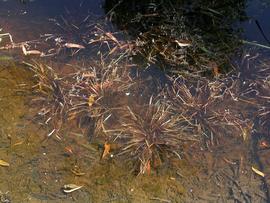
x=41, y=166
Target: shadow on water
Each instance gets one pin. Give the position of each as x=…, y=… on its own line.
x=45, y=152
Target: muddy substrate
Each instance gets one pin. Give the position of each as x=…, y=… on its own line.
x=39, y=168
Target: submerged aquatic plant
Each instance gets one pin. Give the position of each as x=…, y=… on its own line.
x=50, y=97
x=208, y=109
x=264, y=104
x=185, y=34
x=95, y=92
x=252, y=78
x=149, y=134
x=87, y=95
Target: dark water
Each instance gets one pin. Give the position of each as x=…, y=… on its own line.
x=260, y=11
x=36, y=14
x=39, y=169
x=50, y=8
x=256, y=10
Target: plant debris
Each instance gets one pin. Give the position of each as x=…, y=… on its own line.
x=4, y=163
x=69, y=188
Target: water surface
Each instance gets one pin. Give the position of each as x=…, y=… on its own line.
x=41, y=166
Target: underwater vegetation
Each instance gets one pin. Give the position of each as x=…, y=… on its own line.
x=48, y=95
x=94, y=97
x=150, y=119
x=264, y=110
x=149, y=134
x=113, y=106
x=181, y=34
x=153, y=101
x=77, y=95
x=205, y=111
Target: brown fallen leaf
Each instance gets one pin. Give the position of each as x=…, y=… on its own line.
x=258, y=172
x=18, y=143
x=263, y=144
x=182, y=43
x=72, y=45
x=69, y=150
x=106, y=151
x=4, y=163
x=91, y=100
x=71, y=188
x=215, y=68
x=216, y=71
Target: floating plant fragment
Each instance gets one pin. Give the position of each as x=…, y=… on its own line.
x=257, y=172
x=69, y=188
x=4, y=163
x=106, y=151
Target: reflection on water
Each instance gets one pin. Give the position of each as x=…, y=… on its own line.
x=42, y=162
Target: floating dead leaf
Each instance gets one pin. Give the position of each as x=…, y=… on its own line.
x=18, y=143
x=31, y=52
x=182, y=43
x=258, y=172
x=71, y=188
x=216, y=71
x=91, y=100
x=72, y=45
x=4, y=163
x=215, y=68
x=69, y=150
x=263, y=144
x=106, y=151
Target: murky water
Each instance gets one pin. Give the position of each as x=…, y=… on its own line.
x=41, y=165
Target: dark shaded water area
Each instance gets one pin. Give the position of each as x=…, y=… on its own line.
x=258, y=10
x=225, y=151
